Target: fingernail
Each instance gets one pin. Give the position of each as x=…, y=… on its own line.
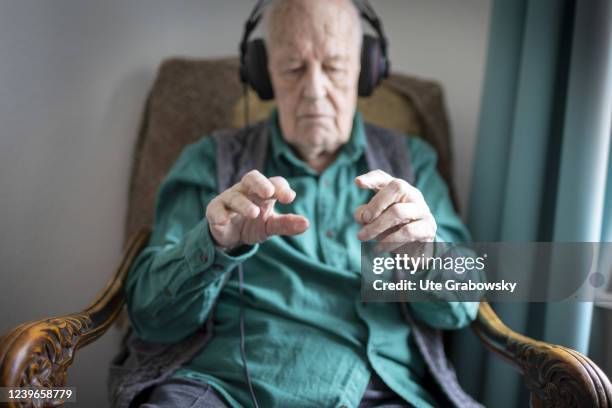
x=366, y=216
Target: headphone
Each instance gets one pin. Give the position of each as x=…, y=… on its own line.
x=254, y=58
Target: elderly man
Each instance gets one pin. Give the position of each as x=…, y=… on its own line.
x=303, y=337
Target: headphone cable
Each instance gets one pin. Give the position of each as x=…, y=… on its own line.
x=242, y=340
x=245, y=96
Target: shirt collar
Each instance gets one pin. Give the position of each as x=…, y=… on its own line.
x=351, y=150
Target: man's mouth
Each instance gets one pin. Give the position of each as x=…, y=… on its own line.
x=314, y=116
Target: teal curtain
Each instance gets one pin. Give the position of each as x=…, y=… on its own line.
x=541, y=162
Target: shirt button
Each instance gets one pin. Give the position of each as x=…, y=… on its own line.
x=204, y=258
x=329, y=233
x=326, y=183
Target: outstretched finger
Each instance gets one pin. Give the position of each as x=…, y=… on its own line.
x=283, y=192
x=396, y=214
x=374, y=180
x=238, y=202
x=286, y=224
x=417, y=231
x=217, y=213
x=255, y=183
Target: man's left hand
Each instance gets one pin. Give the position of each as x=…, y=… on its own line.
x=397, y=214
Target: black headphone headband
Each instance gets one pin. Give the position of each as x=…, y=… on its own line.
x=254, y=62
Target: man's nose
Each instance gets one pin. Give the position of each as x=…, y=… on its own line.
x=315, y=83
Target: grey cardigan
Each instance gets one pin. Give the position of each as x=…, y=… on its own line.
x=140, y=365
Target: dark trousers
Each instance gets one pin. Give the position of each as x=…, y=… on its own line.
x=186, y=393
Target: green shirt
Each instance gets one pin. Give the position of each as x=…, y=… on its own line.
x=310, y=341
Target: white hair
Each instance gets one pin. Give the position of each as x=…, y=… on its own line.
x=271, y=5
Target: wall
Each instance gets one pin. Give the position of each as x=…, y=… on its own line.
x=73, y=79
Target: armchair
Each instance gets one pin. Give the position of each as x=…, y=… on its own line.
x=190, y=98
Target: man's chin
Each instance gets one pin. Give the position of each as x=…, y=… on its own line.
x=317, y=139
x=317, y=131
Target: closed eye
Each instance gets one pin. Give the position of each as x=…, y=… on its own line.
x=294, y=70
x=333, y=68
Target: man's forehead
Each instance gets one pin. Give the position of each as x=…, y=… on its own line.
x=329, y=48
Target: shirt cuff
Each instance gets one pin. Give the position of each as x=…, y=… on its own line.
x=202, y=255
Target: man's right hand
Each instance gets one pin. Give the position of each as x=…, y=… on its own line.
x=244, y=213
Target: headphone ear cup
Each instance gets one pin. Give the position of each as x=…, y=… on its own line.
x=373, y=65
x=256, y=69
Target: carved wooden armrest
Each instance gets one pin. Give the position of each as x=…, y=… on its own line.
x=38, y=353
x=556, y=376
